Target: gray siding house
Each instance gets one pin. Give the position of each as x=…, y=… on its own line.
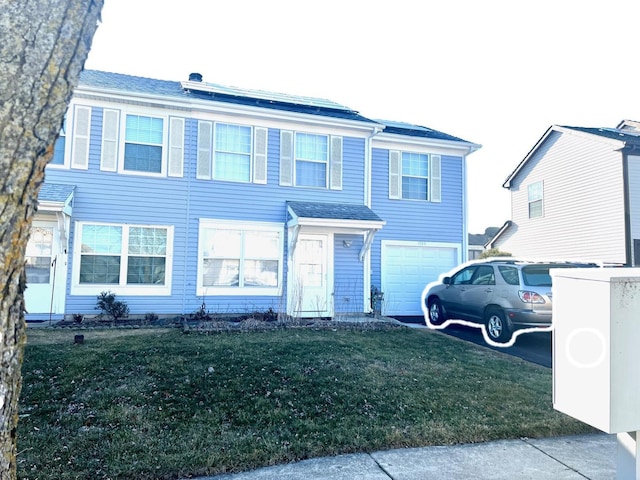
x=576, y=196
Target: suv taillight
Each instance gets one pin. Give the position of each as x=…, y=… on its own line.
x=530, y=297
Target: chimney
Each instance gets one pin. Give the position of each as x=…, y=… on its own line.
x=195, y=77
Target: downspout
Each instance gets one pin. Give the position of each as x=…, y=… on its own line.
x=366, y=261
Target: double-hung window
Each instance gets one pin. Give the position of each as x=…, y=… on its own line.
x=535, y=195
x=239, y=259
x=59, y=146
x=131, y=259
x=143, y=144
x=232, y=153
x=414, y=176
x=312, y=158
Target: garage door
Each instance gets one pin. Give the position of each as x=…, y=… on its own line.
x=407, y=268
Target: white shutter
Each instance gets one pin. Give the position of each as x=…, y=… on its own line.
x=435, y=178
x=395, y=177
x=335, y=177
x=109, y=155
x=286, y=158
x=81, y=130
x=260, y=155
x=176, y=146
x=205, y=135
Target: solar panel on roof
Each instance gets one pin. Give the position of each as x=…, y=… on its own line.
x=263, y=95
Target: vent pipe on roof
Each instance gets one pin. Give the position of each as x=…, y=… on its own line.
x=195, y=77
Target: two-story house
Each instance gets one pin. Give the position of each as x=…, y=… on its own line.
x=170, y=194
x=576, y=196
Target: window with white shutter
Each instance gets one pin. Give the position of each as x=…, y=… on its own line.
x=109, y=151
x=176, y=146
x=435, y=178
x=81, y=133
x=205, y=137
x=260, y=155
x=395, y=179
x=286, y=158
x=335, y=176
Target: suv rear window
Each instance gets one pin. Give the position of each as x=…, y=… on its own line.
x=536, y=276
x=510, y=274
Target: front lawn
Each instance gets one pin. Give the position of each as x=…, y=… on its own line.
x=161, y=404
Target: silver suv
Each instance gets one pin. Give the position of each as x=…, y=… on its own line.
x=502, y=294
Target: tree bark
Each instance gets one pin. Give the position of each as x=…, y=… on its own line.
x=43, y=47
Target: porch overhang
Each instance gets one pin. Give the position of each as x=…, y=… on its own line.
x=56, y=197
x=336, y=217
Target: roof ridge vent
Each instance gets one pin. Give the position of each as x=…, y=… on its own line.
x=195, y=77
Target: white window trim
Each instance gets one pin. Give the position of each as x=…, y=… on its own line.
x=123, y=141
x=201, y=290
x=326, y=161
x=66, y=125
x=122, y=288
x=541, y=200
x=207, y=153
x=434, y=182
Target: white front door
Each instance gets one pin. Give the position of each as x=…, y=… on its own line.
x=312, y=280
x=41, y=267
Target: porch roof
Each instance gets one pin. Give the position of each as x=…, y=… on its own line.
x=336, y=217
x=340, y=213
x=56, y=197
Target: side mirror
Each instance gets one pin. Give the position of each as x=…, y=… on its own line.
x=446, y=280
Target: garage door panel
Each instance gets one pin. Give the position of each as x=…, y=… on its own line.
x=407, y=269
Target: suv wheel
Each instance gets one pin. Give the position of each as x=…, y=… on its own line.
x=498, y=327
x=436, y=314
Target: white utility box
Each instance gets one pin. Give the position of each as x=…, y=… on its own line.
x=596, y=346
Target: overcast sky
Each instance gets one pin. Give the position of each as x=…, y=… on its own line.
x=496, y=73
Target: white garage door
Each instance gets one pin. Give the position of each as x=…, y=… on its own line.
x=407, y=268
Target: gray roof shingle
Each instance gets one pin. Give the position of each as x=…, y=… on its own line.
x=55, y=192
x=334, y=211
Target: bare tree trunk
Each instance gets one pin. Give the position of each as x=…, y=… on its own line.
x=43, y=47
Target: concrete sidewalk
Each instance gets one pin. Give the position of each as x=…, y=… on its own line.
x=581, y=457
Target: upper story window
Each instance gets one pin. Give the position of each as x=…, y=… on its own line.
x=310, y=160
x=235, y=153
x=143, y=144
x=59, y=146
x=414, y=176
x=239, y=259
x=134, y=259
x=535, y=194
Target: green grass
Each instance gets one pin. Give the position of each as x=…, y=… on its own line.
x=160, y=404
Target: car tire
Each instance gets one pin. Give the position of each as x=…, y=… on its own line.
x=498, y=327
x=436, y=313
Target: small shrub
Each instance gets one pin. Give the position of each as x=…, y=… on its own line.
x=201, y=315
x=108, y=304
x=150, y=317
x=78, y=317
x=494, y=252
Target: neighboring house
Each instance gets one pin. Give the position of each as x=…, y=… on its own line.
x=171, y=194
x=576, y=196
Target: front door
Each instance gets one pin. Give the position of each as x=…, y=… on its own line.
x=40, y=267
x=312, y=277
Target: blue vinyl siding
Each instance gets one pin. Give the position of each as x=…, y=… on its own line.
x=348, y=282
x=180, y=202
x=415, y=220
